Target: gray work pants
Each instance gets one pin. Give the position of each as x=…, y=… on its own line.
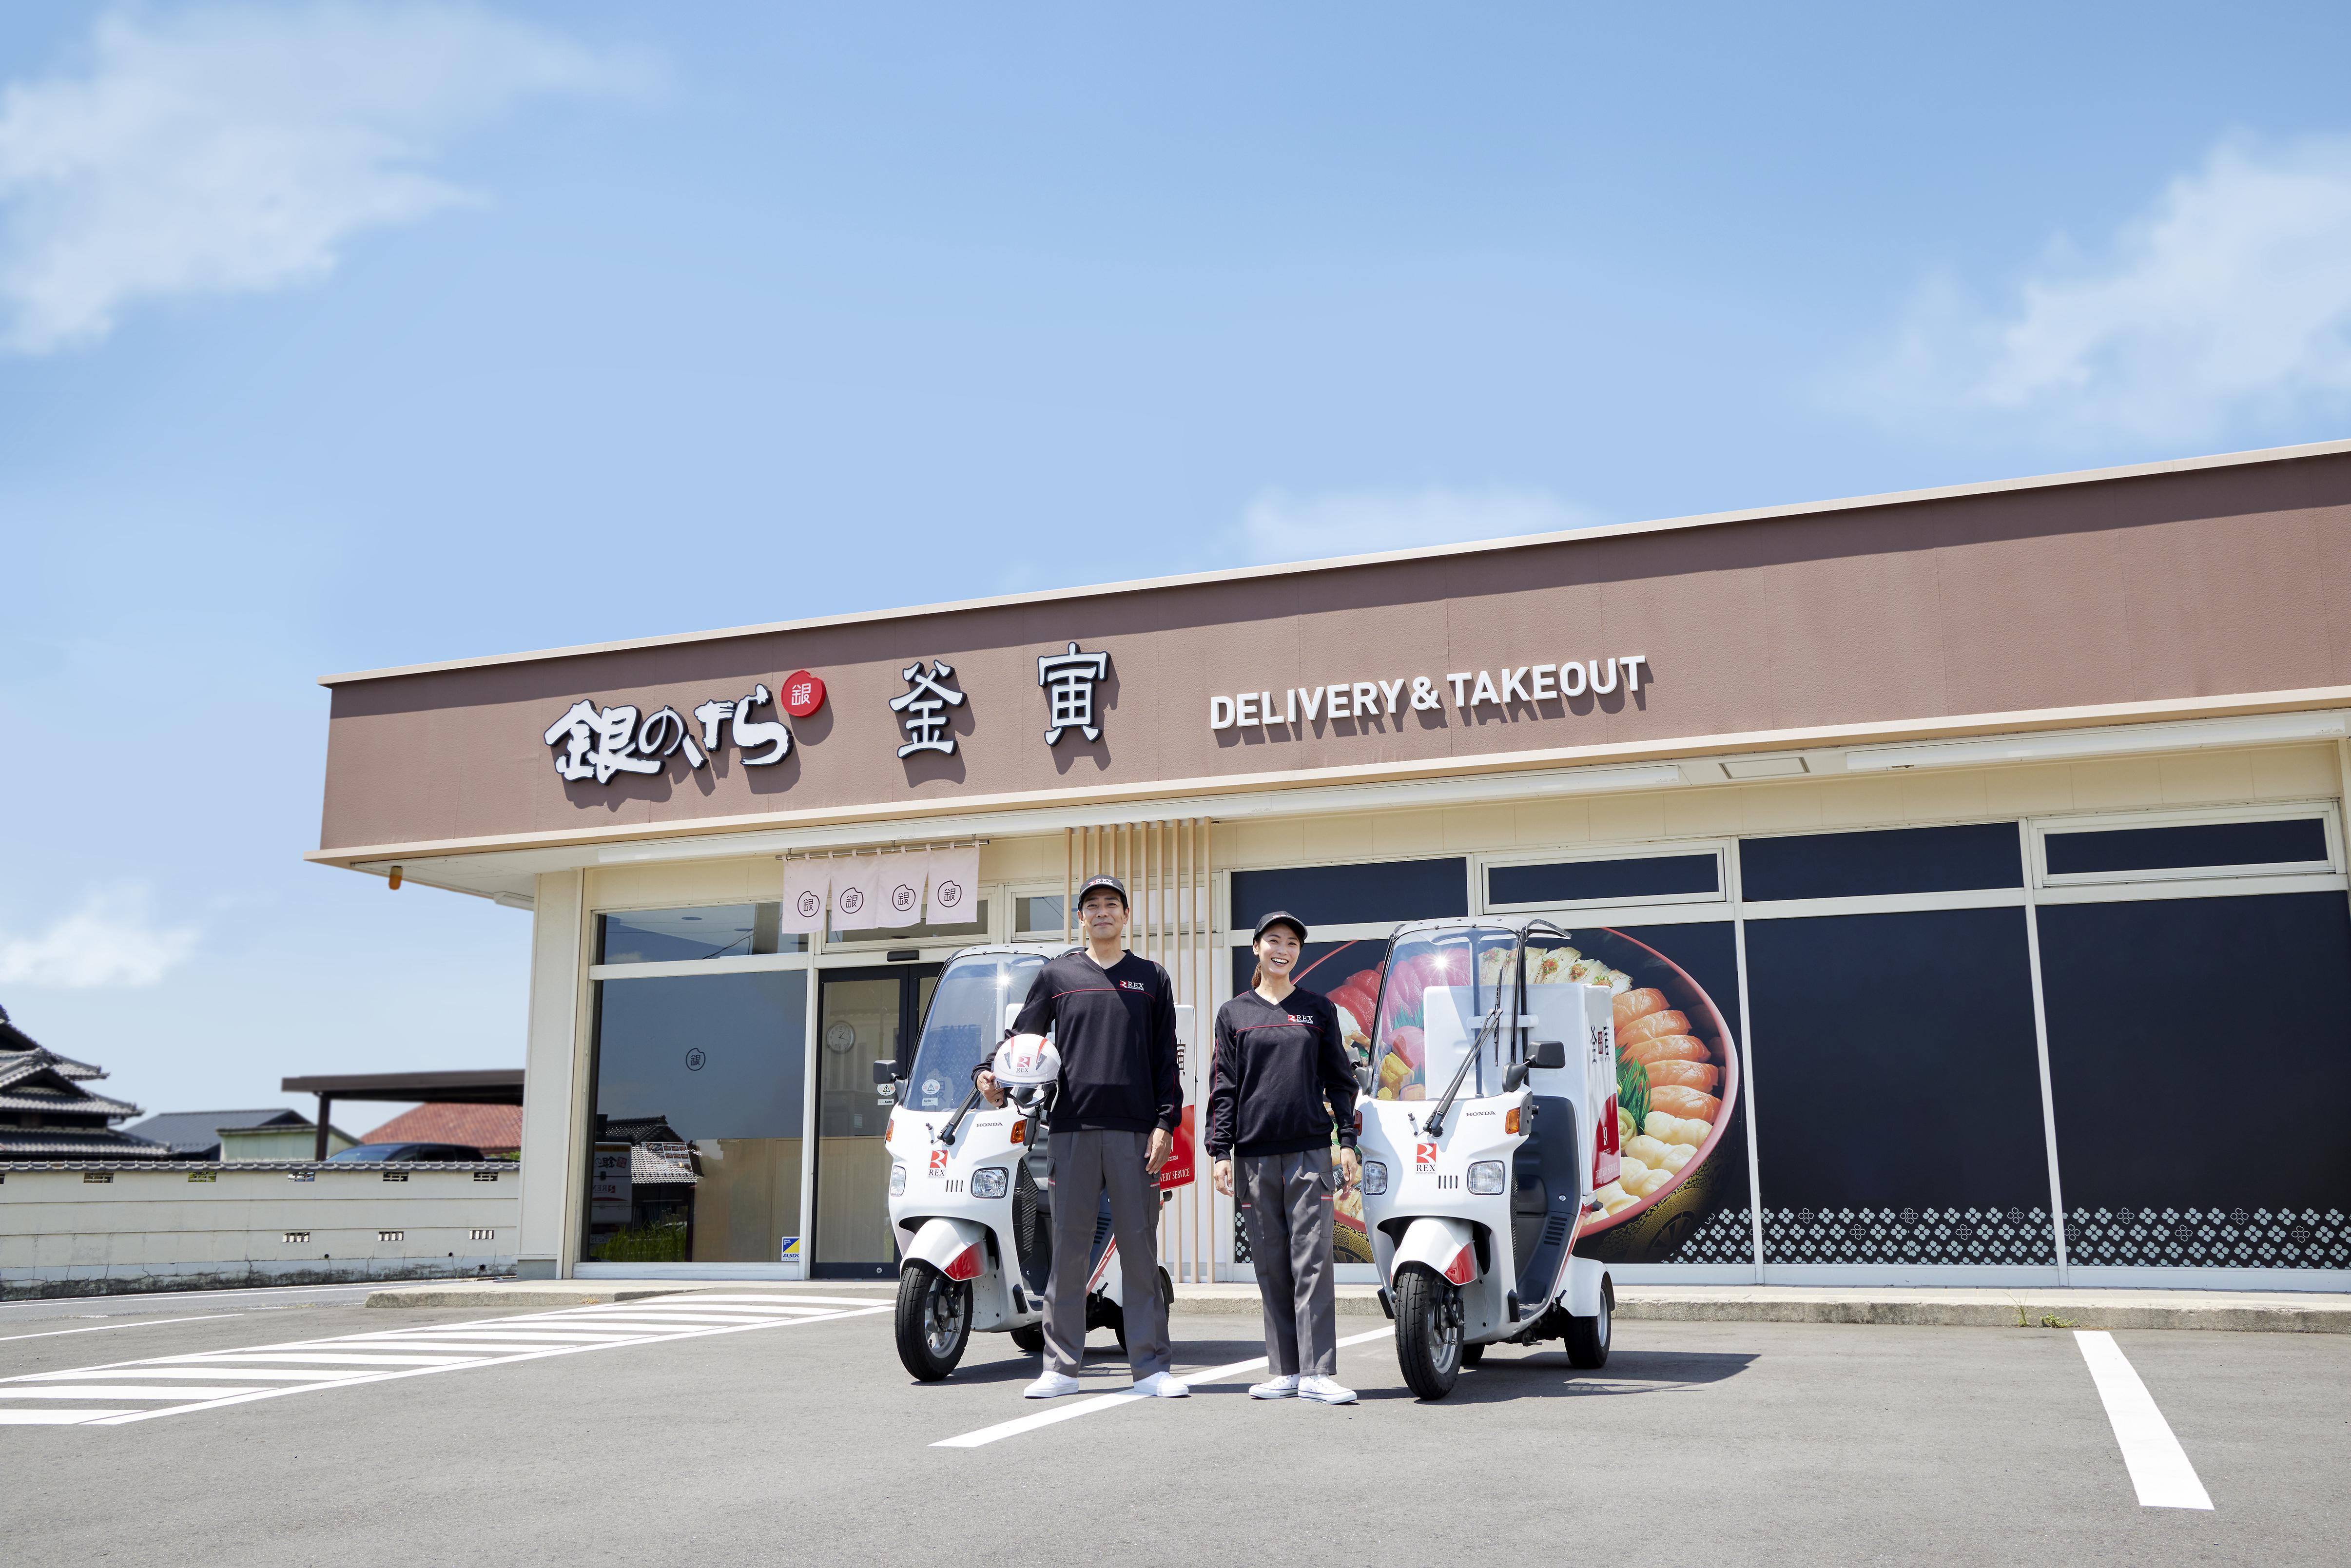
x=1286, y=1203
x=1085, y=1164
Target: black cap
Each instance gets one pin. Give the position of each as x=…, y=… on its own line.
x=1105, y=880
x=1282, y=917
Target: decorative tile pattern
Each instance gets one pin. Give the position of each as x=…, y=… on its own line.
x=1923, y=1236
x=2208, y=1237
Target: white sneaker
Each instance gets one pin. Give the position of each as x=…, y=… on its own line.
x=1052, y=1385
x=1161, y=1385
x=1325, y=1391
x=1282, y=1387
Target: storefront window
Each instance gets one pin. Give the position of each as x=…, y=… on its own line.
x=968, y=929
x=1678, y=1088
x=700, y=1084
x=2199, y=1054
x=1886, y=860
x=683, y=935
x=1038, y=914
x=1386, y=893
x=1898, y=1110
x=1631, y=880
x=2297, y=843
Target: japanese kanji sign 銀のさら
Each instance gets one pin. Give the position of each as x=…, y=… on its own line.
x=600, y=743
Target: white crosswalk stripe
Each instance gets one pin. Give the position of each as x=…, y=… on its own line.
x=120, y=1393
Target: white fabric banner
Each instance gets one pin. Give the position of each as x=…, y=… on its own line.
x=902, y=888
x=857, y=894
x=806, y=884
x=955, y=886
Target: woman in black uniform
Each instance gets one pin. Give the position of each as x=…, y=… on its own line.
x=1281, y=1083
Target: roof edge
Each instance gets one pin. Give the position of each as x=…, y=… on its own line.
x=1334, y=563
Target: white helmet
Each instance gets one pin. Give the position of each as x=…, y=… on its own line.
x=1027, y=1062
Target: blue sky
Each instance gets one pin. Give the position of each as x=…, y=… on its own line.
x=335, y=337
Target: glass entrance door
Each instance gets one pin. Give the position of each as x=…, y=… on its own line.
x=863, y=1016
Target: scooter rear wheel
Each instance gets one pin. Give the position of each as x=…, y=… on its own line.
x=1030, y=1339
x=1587, y=1338
x=933, y=1321
x=1427, y=1332
x=1471, y=1354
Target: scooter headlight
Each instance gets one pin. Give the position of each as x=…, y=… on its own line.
x=1375, y=1178
x=990, y=1181
x=1486, y=1177
x=897, y=1181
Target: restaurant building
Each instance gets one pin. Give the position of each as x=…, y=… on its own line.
x=1989, y=840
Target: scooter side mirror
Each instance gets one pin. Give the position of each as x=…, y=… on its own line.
x=885, y=1072
x=1547, y=1055
x=1363, y=1079
x=1514, y=1077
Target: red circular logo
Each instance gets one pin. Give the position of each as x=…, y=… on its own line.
x=803, y=693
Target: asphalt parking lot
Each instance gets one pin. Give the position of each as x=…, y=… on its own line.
x=741, y=1431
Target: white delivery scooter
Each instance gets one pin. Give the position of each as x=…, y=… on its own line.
x=1491, y=1107
x=971, y=1185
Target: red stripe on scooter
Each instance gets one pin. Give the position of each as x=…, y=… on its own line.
x=1461, y=1267
x=964, y=1265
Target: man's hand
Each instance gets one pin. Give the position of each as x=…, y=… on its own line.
x=989, y=1089
x=1161, y=1148
x=1351, y=1164
x=1220, y=1176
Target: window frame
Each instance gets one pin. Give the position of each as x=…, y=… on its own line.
x=2040, y=828
x=1683, y=849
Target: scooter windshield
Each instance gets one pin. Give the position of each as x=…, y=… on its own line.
x=965, y=1024
x=1437, y=987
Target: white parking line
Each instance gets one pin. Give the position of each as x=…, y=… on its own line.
x=268, y=1372
x=2158, y=1465
x=1075, y=1408
x=102, y=1328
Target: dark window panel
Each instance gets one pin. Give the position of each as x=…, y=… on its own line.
x=1393, y=890
x=1898, y=1100
x=2200, y=1053
x=1585, y=882
x=1893, y=859
x=2287, y=842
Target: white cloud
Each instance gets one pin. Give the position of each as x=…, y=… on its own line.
x=1278, y=525
x=232, y=150
x=2229, y=298
x=111, y=940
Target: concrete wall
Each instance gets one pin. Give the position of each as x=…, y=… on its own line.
x=93, y=1228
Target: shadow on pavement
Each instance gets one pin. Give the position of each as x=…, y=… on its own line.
x=1539, y=1376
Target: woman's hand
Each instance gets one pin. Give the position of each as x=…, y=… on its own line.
x=1221, y=1176
x=989, y=1089
x=1352, y=1164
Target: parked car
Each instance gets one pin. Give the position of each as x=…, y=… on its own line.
x=378, y=1153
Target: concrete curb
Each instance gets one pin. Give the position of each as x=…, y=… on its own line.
x=497, y=1296
x=2233, y=1311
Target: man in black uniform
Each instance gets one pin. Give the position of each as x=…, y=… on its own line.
x=1112, y=1019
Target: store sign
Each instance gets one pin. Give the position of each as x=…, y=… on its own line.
x=601, y=743
x=609, y=1187
x=1466, y=689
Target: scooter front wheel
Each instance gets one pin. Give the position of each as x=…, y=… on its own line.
x=933, y=1321
x=1427, y=1332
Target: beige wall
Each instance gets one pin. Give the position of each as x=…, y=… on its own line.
x=223, y=1225
x=2212, y=589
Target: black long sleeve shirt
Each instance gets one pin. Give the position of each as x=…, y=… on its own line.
x=1115, y=1032
x=1282, y=1077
